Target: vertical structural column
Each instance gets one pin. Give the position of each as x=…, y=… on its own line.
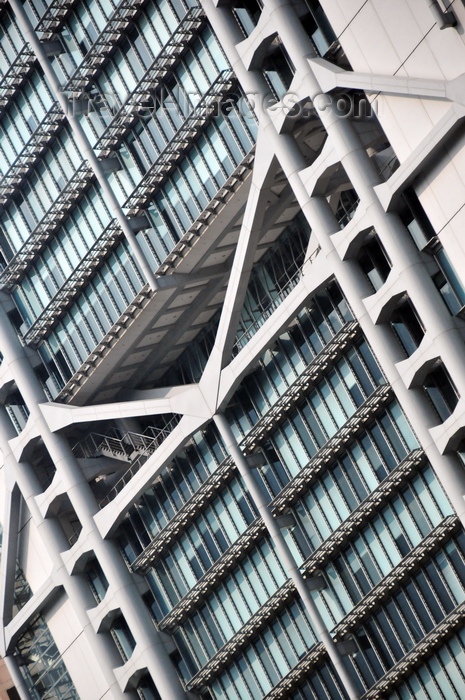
x=83, y=501
x=323, y=224
x=17, y=678
x=285, y=554
x=11, y=526
x=82, y=140
x=363, y=177
x=55, y=541
x=401, y=249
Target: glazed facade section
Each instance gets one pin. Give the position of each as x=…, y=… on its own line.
x=231, y=333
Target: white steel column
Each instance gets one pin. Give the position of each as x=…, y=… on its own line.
x=361, y=172
x=404, y=256
x=323, y=223
x=55, y=541
x=85, y=506
x=285, y=554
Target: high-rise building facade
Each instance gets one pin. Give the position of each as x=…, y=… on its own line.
x=232, y=325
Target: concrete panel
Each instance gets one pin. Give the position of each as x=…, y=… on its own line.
x=341, y=12
x=76, y=651
x=33, y=556
x=400, y=24
x=443, y=190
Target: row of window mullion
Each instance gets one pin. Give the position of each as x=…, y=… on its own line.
x=320, y=483
x=63, y=153
x=175, y=509
x=288, y=359
x=397, y=431
x=420, y=507
x=6, y=136
x=92, y=286
x=33, y=111
x=149, y=136
x=380, y=427
x=175, y=488
x=52, y=176
x=266, y=647
x=346, y=474
x=168, y=574
x=169, y=205
x=312, y=409
x=69, y=238
x=79, y=332
x=87, y=326
x=425, y=605
x=83, y=28
x=339, y=491
x=72, y=344
x=109, y=292
x=354, y=465
x=199, y=150
x=383, y=637
x=312, y=350
x=212, y=534
x=234, y=136
x=298, y=438
x=225, y=146
x=201, y=185
x=351, y=547
x=357, y=378
x=458, y=668
x=372, y=555
x=148, y=48
x=345, y=388
x=187, y=535
x=218, y=600
x=6, y=37
x=340, y=561
x=117, y=283
x=199, y=64
x=269, y=653
x=202, y=566
x=402, y=616
x=128, y=65
x=404, y=532
x=280, y=372
x=305, y=339
x=266, y=400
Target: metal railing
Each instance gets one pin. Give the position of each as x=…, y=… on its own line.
x=53, y=18
x=15, y=74
x=144, y=447
x=131, y=447
x=114, y=444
